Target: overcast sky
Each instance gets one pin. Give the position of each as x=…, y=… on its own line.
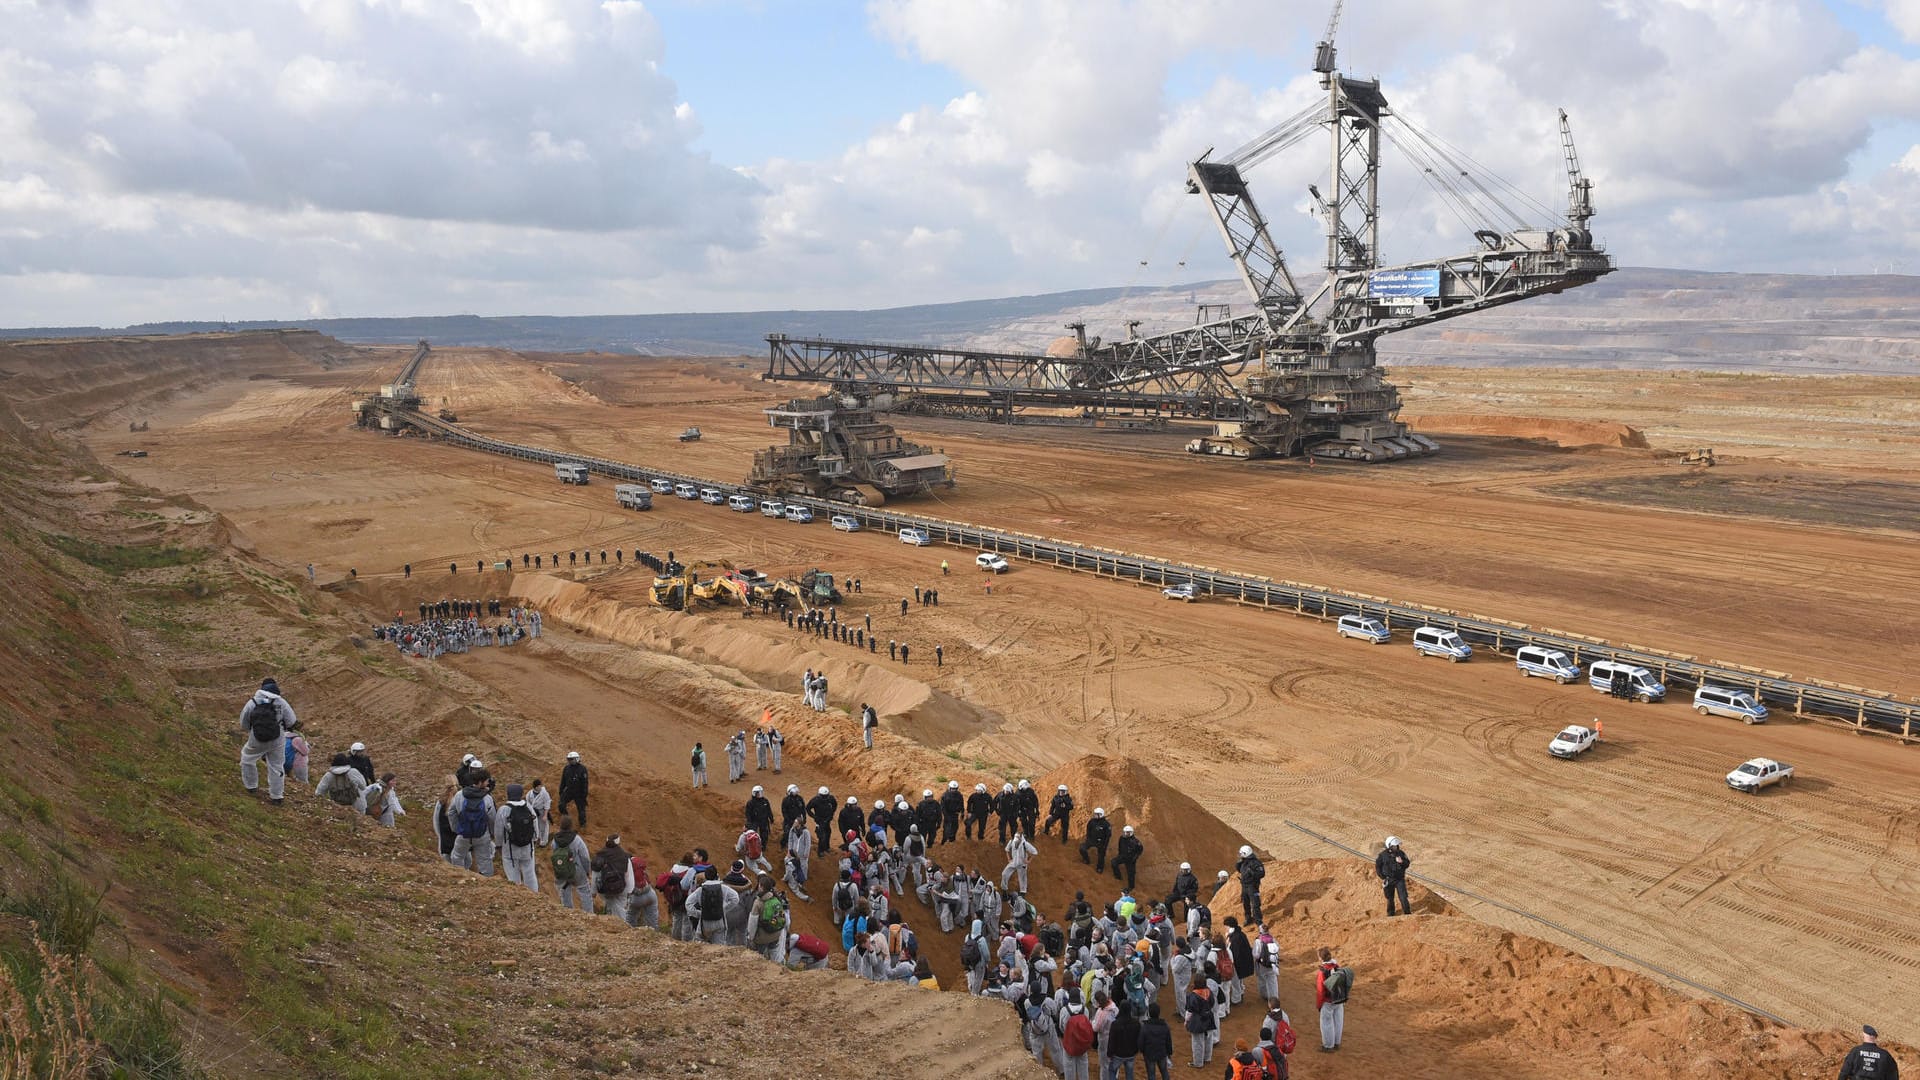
x=259, y=159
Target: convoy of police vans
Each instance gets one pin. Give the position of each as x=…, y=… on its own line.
x=1616, y=678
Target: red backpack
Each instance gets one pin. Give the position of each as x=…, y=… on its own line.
x=1283, y=1036
x=752, y=839
x=669, y=885
x=1077, y=1037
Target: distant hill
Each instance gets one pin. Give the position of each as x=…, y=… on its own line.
x=1636, y=318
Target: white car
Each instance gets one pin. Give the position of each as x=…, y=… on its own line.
x=1758, y=773
x=1572, y=742
x=916, y=537
x=801, y=514
x=1182, y=591
x=991, y=562
x=846, y=523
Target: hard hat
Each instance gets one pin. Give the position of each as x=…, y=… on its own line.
x=979, y=787
x=1126, y=830
x=793, y=789
x=758, y=790
x=927, y=794
x=1393, y=841
x=573, y=755
x=1062, y=787
x=1099, y=812
x=953, y=783
x=1186, y=866
x=824, y=791
x=1246, y=852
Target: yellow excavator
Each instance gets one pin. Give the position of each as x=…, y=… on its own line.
x=678, y=592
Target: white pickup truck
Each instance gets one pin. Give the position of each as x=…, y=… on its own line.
x=1572, y=742
x=1758, y=773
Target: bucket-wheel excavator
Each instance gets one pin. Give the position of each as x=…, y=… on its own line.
x=1296, y=374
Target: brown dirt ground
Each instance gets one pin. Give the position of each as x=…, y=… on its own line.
x=1260, y=719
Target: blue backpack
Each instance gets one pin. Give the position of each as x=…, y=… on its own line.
x=474, y=822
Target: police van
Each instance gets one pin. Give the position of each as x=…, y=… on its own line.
x=740, y=503
x=1545, y=663
x=686, y=491
x=772, y=508
x=1641, y=684
x=712, y=496
x=661, y=485
x=1365, y=627
x=1440, y=641
x=1721, y=701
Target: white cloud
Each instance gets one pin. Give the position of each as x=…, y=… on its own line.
x=201, y=158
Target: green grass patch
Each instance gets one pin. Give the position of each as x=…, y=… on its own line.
x=117, y=559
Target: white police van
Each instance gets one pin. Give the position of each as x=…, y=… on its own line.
x=1721, y=701
x=1641, y=684
x=772, y=508
x=916, y=537
x=686, y=491
x=846, y=523
x=1545, y=663
x=661, y=485
x=1365, y=627
x=712, y=496
x=742, y=504
x=1440, y=641
x=801, y=514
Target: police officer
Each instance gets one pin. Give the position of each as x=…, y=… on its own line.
x=926, y=814
x=1060, y=810
x=1390, y=866
x=1028, y=802
x=1251, y=870
x=820, y=808
x=1868, y=1061
x=1099, y=831
x=952, y=805
x=1006, y=811
x=1128, y=855
x=979, y=805
x=792, y=809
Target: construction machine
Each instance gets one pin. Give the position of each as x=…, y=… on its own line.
x=819, y=588
x=681, y=588
x=837, y=448
x=1297, y=373
x=787, y=593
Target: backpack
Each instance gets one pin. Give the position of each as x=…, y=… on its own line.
x=1339, y=984
x=564, y=870
x=288, y=765
x=519, y=826
x=1263, y=952
x=1283, y=1036
x=697, y=755
x=1241, y=1069
x=1077, y=1037
x=1125, y=908
x=613, y=877
x=1276, y=1064
x=773, y=913
x=341, y=791
x=474, y=820
x=713, y=902
x=263, y=721
x=376, y=799
x=845, y=895
x=970, y=953
x=668, y=884
x=751, y=844
x=1041, y=1023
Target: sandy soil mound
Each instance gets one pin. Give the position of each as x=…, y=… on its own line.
x=1568, y=433
x=1172, y=826
x=66, y=383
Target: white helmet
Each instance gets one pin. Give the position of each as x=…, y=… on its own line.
x=899, y=800
x=793, y=789
x=1126, y=830
x=478, y=764
x=356, y=748
x=467, y=760
x=1186, y=866
x=1223, y=875
x=1006, y=787
x=1062, y=787
x=824, y=791
x=1393, y=841
x=573, y=755
x=879, y=804
x=979, y=787
x=853, y=800
x=954, y=784
x=1023, y=785
x=1099, y=812
x=927, y=794
x=1246, y=852
x=758, y=790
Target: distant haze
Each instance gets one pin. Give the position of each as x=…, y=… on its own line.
x=1636, y=318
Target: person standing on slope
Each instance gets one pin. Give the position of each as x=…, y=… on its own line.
x=573, y=789
x=514, y=835
x=266, y=718
x=1060, y=810
x=1331, y=983
x=1868, y=1061
x=1391, y=867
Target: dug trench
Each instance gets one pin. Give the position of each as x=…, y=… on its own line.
x=634, y=687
